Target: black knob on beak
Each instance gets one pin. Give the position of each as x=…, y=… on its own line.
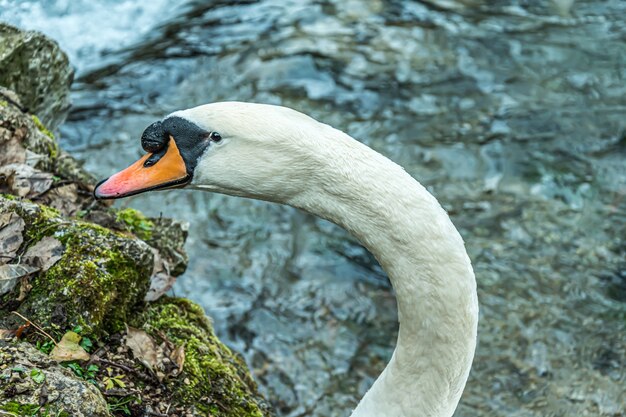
x=154, y=138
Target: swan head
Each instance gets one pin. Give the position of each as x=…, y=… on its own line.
x=251, y=150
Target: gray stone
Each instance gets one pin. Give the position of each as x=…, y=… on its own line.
x=36, y=68
x=29, y=379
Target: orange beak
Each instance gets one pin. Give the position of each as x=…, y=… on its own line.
x=168, y=172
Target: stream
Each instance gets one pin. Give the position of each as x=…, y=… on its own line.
x=511, y=112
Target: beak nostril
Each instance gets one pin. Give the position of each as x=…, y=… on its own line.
x=153, y=159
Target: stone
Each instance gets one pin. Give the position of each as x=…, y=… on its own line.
x=36, y=68
x=31, y=381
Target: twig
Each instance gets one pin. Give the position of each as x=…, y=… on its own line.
x=20, y=108
x=156, y=413
x=140, y=374
x=116, y=392
x=35, y=325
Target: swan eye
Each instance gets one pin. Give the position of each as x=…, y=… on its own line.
x=215, y=137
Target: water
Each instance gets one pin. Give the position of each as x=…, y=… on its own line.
x=512, y=114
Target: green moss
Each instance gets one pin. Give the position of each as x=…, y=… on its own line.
x=3, y=103
x=93, y=282
x=98, y=280
x=53, y=147
x=8, y=196
x=136, y=223
x=216, y=380
x=41, y=126
x=41, y=220
x=18, y=409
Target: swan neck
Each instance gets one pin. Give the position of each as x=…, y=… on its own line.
x=412, y=237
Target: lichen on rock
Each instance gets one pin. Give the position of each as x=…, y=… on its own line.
x=38, y=70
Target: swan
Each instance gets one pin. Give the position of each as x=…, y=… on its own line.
x=277, y=154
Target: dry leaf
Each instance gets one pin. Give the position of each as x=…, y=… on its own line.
x=25, y=288
x=143, y=347
x=6, y=334
x=178, y=357
x=44, y=254
x=161, y=280
x=26, y=181
x=11, y=227
x=12, y=153
x=32, y=158
x=20, y=330
x=64, y=199
x=9, y=274
x=68, y=349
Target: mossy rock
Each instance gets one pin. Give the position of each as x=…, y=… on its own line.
x=100, y=277
x=216, y=381
x=22, y=131
x=33, y=385
x=99, y=284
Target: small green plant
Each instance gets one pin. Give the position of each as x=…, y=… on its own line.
x=86, y=344
x=120, y=405
x=88, y=374
x=37, y=375
x=111, y=381
x=45, y=347
x=136, y=223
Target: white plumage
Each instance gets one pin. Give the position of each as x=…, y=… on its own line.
x=277, y=154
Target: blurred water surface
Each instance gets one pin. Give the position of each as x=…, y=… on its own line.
x=512, y=112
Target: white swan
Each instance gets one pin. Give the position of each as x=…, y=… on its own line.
x=277, y=154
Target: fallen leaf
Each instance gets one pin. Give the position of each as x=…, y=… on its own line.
x=161, y=280
x=64, y=199
x=7, y=334
x=143, y=347
x=20, y=330
x=12, y=152
x=9, y=274
x=26, y=181
x=178, y=357
x=68, y=349
x=33, y=158
x=11, y=227
x=25, y=288
x=44, y=254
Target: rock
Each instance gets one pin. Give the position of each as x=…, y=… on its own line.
x=32, y=384
x=28, y=144
x=99, y=278
x=215, y=379
x=38, y=70
x=24, y=140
